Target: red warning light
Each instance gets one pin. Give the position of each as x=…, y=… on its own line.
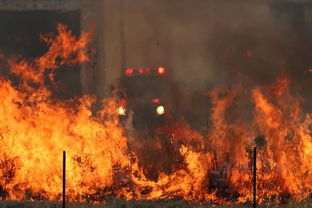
x=141, y=71
x=155, y=100
x=161, y=70
x=129, y=71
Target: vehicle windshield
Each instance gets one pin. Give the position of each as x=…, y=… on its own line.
x=144, y=87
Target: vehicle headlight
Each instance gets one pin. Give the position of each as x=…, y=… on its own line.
x=160, y=110
x=122, y=111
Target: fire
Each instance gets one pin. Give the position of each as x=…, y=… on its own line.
x=179, y=162
x=35, y=128
x=287, y=157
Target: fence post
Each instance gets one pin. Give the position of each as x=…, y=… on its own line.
x=255, y=178
x=64, y=180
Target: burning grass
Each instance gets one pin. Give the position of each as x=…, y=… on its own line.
x=178, y=162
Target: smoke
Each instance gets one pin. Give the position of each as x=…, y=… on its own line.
x=205, y=43
x=209, y=42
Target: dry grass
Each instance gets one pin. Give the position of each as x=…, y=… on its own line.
x=118, y=203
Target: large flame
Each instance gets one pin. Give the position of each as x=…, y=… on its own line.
x=179, y=162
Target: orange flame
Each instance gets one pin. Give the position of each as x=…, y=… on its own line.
x=178, y=162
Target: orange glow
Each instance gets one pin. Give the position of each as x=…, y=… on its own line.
x=161, y=70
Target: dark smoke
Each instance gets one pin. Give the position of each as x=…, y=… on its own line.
x=211, y=42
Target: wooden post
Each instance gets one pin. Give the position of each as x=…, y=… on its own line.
x=64, y=180
x=255, y=178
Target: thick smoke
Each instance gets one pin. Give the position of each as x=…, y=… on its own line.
x=213, y=42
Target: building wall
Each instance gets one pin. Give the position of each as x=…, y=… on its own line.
x=91, y=17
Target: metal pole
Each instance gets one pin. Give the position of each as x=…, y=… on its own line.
x=255, y=178
x=64, y=179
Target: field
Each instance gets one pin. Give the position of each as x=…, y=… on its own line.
x=117, y=203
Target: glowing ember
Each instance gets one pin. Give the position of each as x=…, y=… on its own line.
x=179, y=162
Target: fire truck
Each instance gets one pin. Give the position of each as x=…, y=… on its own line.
x=146, y=95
